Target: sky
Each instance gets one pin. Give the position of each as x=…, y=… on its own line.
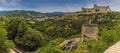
x=56, y=5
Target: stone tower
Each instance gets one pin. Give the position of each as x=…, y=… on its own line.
x=89, y=31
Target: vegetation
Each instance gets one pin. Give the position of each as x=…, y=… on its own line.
x=5, y=44
x=60, y=28
x=45, y=36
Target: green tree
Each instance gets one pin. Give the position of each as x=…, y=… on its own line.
x=31, y=40
x=5, y=44
x=16, y=26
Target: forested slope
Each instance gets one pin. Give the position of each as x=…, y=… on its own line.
x=45, y=36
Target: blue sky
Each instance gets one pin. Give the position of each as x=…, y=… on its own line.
x=55, y=5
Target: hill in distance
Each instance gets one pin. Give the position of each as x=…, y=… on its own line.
x=28, y=14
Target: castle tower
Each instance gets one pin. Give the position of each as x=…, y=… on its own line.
x=95, y=5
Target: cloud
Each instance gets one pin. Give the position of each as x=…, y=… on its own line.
x=9, y=2
x=115, y=5
x=66, y=7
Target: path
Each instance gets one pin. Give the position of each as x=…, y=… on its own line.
x=114, y=49
x=12, y=51
x=15, y=50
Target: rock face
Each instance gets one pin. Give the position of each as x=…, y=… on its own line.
x=114, y=49
x=89, y=31
x=70, y=44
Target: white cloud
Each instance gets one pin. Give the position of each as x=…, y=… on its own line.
x=1, y=9
x=114, y=5
x=71, y=7
x=58, y=8
x=9, y=2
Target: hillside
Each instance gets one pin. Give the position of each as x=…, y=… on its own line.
x=28, y=14
x=68, y=29
x=46, y=36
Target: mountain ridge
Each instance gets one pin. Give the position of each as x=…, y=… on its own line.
x=28, y=13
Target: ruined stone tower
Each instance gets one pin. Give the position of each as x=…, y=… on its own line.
x=89, y=31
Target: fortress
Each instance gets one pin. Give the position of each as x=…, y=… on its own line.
x=90, y=11
x=97, y=9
